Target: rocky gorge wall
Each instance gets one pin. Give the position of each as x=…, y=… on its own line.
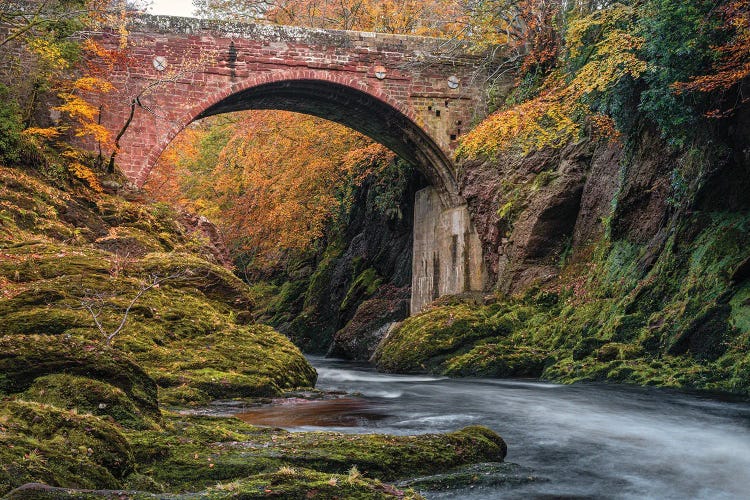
x=625, y=262
x=343, y=296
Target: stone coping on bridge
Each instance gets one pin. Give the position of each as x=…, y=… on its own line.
x=429, y=46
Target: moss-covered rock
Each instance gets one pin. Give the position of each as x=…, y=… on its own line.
x=40, y=443
x=424, y=342
x=129, y=241
x=286, y=482
x=679, y=322
x=26, y=358
x=183, y=395
x=194, y=452
x=239, y=361
x=500, y=360
x=87, y=396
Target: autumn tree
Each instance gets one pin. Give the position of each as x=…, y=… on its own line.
x=729, y=74
x=272, y=180
x=422, y=17
x=50, y=52
x=601, y=51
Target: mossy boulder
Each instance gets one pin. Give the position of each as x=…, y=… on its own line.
x=423, y=343
x=183, y=395
x=238, y=361
x=295, y=482
x=191, y=453
x=392, y=457
x=192, y=271
x=26, y=358
x=129, y=242
x=501, y=360
x=34, y=260
x=286, y=482
x=87, y=395
x=41, y=443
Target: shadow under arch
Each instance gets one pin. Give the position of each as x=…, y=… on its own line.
x=357, y=109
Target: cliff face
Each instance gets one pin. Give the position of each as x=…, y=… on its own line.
x=609, y=262
x=342, y=297
x=532, y=210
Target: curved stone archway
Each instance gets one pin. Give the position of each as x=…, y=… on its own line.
x=364, y=112
x=333, y=97
x=415, y=95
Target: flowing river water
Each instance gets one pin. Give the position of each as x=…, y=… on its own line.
x=582, y=441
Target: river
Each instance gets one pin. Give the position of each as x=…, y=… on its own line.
x=582, y=441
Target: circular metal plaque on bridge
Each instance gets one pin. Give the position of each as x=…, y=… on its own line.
x=160, y=64
x=380, y=72
x=453, y=82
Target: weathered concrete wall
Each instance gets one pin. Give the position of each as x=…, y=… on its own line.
x=447, y=255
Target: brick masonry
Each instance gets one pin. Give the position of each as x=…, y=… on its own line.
x=393, y=88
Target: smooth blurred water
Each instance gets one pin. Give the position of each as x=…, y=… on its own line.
x=586, y=441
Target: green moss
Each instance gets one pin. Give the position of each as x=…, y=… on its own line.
x=40, y=443
x=194, y=452
x=426, y=341
x=183, y=395
x=130, y=241
x=25, y=358
x=740, y=309
x=87, y=396
x=286, y=482
x=363, y=286
x=681, y=321
x=239, y=361
x=38, y=261
x=289, y=482
x=499, y=360
x=320, y=279
x=214, y=281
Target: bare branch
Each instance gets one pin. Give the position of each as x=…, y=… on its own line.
x=95, y=303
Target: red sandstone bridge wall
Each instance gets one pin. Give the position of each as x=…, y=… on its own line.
x=207, y=62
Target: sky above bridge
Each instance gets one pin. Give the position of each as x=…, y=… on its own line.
x=172, y=7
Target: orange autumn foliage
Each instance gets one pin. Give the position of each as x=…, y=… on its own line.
x=278, y=178
x=418, y=17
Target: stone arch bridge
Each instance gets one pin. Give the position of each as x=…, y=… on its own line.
x=414, y=95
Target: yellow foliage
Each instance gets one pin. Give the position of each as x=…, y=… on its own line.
x=93, y=84
x=41, y=133
x=49, y=54
x=82, y=111
x=84, y=173
x=557, y=115
x=76, y=107
x=276, y=180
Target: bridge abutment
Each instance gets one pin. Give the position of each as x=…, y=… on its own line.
x=447, y=256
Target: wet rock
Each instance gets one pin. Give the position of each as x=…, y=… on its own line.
x=371, y=322
x=479, y=475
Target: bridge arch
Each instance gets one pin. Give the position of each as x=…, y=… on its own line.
x=345, y=100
